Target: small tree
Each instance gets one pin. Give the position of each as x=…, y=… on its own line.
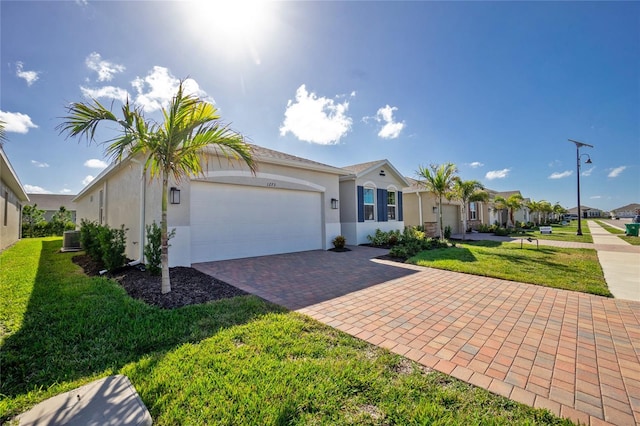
x=438, y=179
x=173, y=149
x=468, y=191
x=31, y=217
x=61, y=221
x=153, y=249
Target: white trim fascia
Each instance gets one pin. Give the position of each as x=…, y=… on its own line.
x=210, y=176
x=101, y=176
x=16, y=185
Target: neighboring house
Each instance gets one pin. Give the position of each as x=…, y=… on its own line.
x=421, y=208
x=501, y=217
x=12, y=198
x=630, y=210
x=291, y=204
x=587, y=212
x=371, y=197
x=51, y=204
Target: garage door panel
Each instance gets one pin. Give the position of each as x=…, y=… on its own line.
x=233, y=221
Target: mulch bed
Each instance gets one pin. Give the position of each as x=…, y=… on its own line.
x=188, y=286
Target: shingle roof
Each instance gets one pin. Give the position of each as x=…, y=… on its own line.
x=359, y=168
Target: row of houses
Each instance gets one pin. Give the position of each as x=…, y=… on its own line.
x=290, y=204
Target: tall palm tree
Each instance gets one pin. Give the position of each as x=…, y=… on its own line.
x=534, y=208
x=558, y=210
x=468, y=191
x=514, y=202
x=171, y=149
x=546, y=209
x=439, y=180
x=500, y=204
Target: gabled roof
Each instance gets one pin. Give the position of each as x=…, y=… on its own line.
x=361, y=169
x=260, y=154
x=10, y=178
x=50, y=202
x=628, y=207
x=276, y=157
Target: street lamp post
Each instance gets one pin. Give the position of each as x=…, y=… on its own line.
x=578, y=146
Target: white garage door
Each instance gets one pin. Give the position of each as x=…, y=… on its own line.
x=235, y=221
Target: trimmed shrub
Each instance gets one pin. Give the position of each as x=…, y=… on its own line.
x=113, y=243
x=339, y=242
x=89, y=239
x=153, y=248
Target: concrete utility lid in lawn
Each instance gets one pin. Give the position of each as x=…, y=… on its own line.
x=109, y=401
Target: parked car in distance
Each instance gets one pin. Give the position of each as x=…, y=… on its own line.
x=636, y=219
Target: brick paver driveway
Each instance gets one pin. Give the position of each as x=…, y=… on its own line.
x=577, y=355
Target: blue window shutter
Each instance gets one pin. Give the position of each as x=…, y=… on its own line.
x=399, y=201
x=382, y=205
x=360, y=204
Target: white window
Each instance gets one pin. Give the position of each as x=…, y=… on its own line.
x=391, y=205
x=473, y=212
x=369, y=204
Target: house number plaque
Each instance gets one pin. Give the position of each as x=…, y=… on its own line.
x=271, y=184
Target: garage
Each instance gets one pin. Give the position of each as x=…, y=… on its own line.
x=451, y=217
x=233, y=221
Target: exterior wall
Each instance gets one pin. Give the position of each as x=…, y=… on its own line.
x=430, y=218
x=268, y=176
x=121, y=204
x=10, y=216
x=357, y=232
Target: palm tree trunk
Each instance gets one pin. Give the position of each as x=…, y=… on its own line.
x=440, y=216
x=164, y=247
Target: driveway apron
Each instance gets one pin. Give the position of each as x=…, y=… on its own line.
x=575, y=354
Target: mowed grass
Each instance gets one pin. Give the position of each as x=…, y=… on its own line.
x=562, y=233
x=569, y=269
x=234, y=362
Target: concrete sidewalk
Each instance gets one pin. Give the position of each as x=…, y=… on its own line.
x=619, y=260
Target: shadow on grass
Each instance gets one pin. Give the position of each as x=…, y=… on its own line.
x=76, y=327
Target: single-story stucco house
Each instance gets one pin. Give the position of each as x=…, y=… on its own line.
x=630, y=210
x=51, y=204
x=291, y=204
x=587, y=212
x=421, y=208
x=12, y=198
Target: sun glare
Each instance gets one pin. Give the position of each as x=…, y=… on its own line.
x=236, y=26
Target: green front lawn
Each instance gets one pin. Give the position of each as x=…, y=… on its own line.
x=236, y=362
x=562, y=233
x=570, y=269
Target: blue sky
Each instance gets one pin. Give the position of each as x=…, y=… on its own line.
x=496, y=88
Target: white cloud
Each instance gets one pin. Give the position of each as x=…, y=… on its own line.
x=159, y=86
x=94, y=163
x=105, y=69
x=87, y=180
x=33, y=189
x=39, y=164
x=110, y=92
x=476, y=164
x=587, y=172
x=16, y=122
x=65, y=191
x=497, y=174
x=595, y=197
x=316, y=120
x=560, y=175
x=616, y=172
x=391, y=129
x=29, y=76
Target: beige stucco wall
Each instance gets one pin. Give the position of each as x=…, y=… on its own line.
x=123, y=187
x=9, y=224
